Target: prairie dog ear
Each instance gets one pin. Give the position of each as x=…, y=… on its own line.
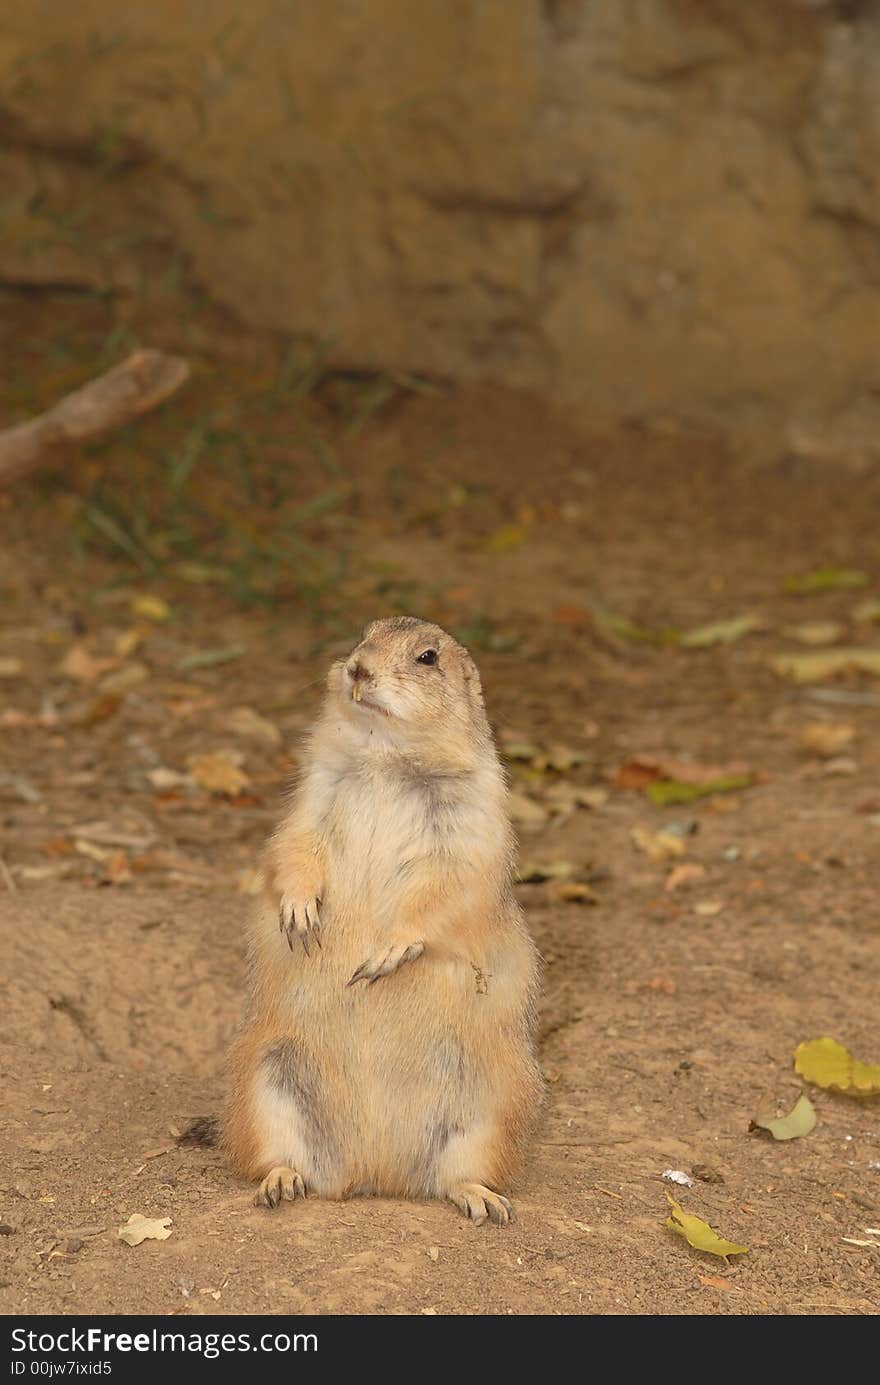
x=472, y=679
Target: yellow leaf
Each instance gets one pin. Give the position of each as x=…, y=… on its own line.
x=576, y=892
x=800, y=1120
x=698, y=1233
x=150, y=607
x=719, y=632
x=128, y=641
x=511, y=536
x=826, y=579
x=532, y=874
x=827, y=663
x=826, y=1063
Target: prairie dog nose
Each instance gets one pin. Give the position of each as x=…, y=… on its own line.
x=359, y=675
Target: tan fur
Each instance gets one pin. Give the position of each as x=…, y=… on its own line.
x=387, y=1044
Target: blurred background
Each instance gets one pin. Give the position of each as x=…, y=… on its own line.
x=555, y=321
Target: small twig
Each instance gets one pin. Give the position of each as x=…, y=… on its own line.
x=143, y=380
x=7, y=877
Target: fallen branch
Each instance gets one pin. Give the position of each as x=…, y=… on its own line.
x=142, y=381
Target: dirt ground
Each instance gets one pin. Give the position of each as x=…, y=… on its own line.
x=670, y=1014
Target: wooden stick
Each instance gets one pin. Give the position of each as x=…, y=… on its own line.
x=142, y=381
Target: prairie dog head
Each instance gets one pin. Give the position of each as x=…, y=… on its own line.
x=412, y=680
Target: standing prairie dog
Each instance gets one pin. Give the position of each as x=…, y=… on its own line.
x=387, y=1042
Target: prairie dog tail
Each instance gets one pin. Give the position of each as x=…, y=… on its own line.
x=201, y=1131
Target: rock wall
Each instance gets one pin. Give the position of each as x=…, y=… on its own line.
x=665, y=212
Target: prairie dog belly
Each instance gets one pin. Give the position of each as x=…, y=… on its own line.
x=405, y=1067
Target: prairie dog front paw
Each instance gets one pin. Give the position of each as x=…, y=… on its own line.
x=386, y=960
x=299, y=913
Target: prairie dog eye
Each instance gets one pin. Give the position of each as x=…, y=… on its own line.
x=427, y=656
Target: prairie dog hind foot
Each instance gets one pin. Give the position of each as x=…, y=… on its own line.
x=281, y=1184
x=480, y=1204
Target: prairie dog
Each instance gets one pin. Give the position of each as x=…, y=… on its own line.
x=387, y=1042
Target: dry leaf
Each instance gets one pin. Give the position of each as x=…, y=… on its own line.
x=635, y=774
x=245, y=721
x=830, y=663
x=82, y=666
x=150, y=607
x=826, y=1063
x=665, y=791
x=139, y=1228
x=678, y=1176
x=119, y=682
x=564, y=799
x=659, y=846
x=866, y=612
x=644, y=769
x=708, y=908
x=698, y=1233
x=664, y=985
x=11, y=668
x=557, y=757
x=684, y=874
x=95, y=853
x=800, y=1120
x=128, y=641
x=117, y=868
x=534, y=874
x=827, y=738
x=719, y=632
x=576, y=892
x=826, y=579
x=13, y=719
x=517, y=748
x=163, y=778
x=815, y=632
x=511, y=536
x=621, y=627
x=220, y=772
x=842, y=765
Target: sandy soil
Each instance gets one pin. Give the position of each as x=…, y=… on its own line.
x=669, y=1015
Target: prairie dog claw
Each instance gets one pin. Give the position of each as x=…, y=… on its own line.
x=383, y=963
x=280, y=1184
x=300, y=915
x=480, y=1204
